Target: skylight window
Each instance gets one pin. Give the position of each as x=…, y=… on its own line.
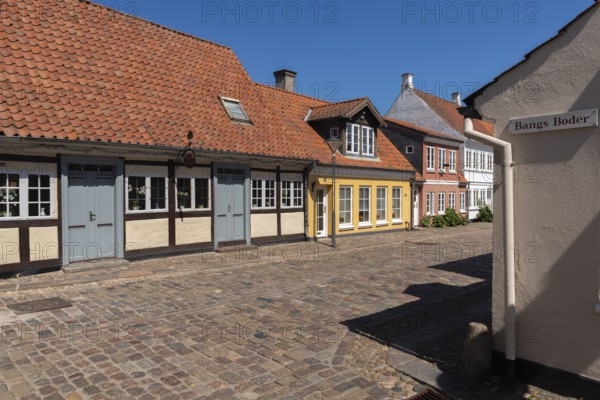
x=234, y=110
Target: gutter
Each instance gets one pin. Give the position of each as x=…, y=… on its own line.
x=510, y=313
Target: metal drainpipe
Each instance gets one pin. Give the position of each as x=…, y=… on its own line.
x=510, y=314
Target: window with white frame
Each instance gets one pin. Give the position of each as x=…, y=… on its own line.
x=410, y=150
x=193, y=193
x=490, y=162
x=396, y=204
x=364, y=206
x=430, y=158
x=482, y=163
x=475, y=160
x=441, y=158
x=345, y=206
x=452, y=200
x=263, y=190
x=489, y=196
x=430, y=210
x=352, y=138
x=381, y=205
x=292, y=192
x=463, y=202
x=453, y=161
x=25, y=195
x=368, y=141
x=468, y=159
x=146, y=189
x=441, y=203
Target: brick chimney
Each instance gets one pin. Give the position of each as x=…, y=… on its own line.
x=285, y=79
x=456, y=99
x=407, y=81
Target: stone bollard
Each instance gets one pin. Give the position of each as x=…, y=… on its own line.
x=476, y=361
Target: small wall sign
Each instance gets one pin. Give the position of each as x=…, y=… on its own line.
x=571, y=120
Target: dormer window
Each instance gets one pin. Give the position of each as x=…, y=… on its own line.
x=234, y=110
x=360, y=140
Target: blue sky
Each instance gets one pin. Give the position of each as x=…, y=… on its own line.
x=348, y=49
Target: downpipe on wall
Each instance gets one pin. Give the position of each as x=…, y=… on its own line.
x=510, y=314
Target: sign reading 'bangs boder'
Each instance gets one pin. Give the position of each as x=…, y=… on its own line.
x=571, y=120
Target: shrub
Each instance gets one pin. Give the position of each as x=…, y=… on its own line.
x=453, y=219
x=439, y=222
x=485, y=214
x=426, y=221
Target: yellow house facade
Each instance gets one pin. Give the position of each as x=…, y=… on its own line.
x=362, y=204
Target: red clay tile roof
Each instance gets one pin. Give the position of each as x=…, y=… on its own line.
x=422, y=130
x=448, y=111
x=336, y=110
x=90, y=73
x=293, y=109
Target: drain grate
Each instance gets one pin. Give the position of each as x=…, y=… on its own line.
x=31, y=307
x=429, y=394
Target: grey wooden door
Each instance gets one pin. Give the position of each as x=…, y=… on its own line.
x=91, y=212
x=229, y=205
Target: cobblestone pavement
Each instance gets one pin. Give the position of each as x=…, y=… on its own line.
x=270, y=324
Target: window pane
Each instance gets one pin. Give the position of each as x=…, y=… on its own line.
x=269, y=194
x=33, y=210
x=33, y=181
x=184, y=193
x=257, y=194
x=136, y=192
x=34, y=195
x=345, y=205
x=202, y=198
x=13, y=210
x=45, y=181
x=45, y=194
x=158, y=194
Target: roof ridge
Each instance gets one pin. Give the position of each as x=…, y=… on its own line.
x=264, y=85
x=437, y=97
x=343, y=102
x=147, y=21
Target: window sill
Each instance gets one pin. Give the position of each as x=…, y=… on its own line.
x=383, y=223
x=251, y=209
x=346, y=227
x=397, y=222
x=147, y=211
x=365, y=225
x=191, y=210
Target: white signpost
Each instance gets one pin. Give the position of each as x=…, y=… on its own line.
x=571, y=120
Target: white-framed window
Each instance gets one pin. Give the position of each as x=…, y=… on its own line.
x=430, y=158
x=468, y=159
x=364, y=206
x=490, y=162
x=482, y=195
x=193, y=189
x=25, y=195
x=410, y=150
x=430, y=210
x=396, y=204
x=441, y=203
x=334, y=133
x=381, y=205
x=292, y=194
x=489, y=196
x=441, y=158
x=345, y=206
x=463, y=202
x=146, y=189
x=234, y=110
x=482, y=163
x=453, y=161
x=352, y=138
x=452, y=200
x=475, y=164
x=263, y=190
x=368, y=141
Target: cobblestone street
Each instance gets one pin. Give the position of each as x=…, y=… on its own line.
x=288, y=321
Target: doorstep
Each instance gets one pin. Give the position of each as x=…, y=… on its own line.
x=93, y=265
